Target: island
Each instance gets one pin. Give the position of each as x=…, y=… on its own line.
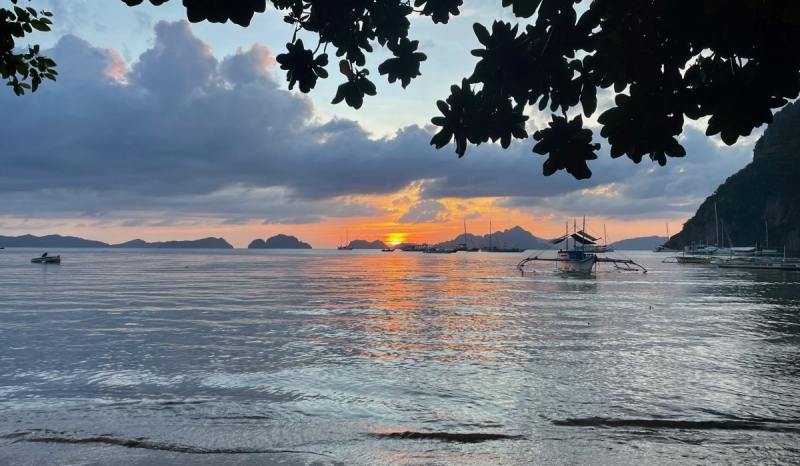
x=364, y=244
x=58, y=241
x=205, y=243
x=279, y=242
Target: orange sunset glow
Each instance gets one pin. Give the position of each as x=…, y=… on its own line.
x=331, y=232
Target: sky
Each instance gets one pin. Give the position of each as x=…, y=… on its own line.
x=160, y=129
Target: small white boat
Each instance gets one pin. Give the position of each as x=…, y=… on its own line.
x=45, y=259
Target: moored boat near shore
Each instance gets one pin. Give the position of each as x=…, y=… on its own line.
x=761, y=263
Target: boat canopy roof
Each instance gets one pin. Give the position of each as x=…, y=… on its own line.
x=583, y=240
x=579, y=236
x=586, y=235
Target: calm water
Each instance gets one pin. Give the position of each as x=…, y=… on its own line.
x=362, y=357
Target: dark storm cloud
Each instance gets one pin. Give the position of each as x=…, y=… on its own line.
x=179, y=127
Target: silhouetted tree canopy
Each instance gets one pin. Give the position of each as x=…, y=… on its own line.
x=661, y=61
x=23, y=70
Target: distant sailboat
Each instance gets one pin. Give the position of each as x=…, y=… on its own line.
x=347, y=246
x=463, y=246
x=663, y=247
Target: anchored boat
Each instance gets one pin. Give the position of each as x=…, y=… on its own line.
x=44, y=258
x=576, y=259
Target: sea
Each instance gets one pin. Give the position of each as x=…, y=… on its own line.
x=327, y=357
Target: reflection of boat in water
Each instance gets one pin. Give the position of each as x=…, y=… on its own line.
x=44, y=258
x=575, y=259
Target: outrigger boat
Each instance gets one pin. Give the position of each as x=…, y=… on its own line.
x=576, y=259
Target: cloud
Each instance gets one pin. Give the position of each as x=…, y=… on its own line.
x=180, y=132
x=647, y=190
x=178, y=66
x=425, y=211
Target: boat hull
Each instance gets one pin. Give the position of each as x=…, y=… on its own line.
x=762, y=265
x=693, y=260
x=47, y=260
x=576, y=262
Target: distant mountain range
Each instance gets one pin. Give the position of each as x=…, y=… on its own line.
x=58, y=241
x=513, y=237
x=646, y=243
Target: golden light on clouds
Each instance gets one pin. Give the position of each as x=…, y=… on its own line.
x=608, y=190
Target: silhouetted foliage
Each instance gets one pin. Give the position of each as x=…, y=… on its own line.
x=661, y=60
x=23, y=70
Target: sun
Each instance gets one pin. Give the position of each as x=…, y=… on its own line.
x=396, y=238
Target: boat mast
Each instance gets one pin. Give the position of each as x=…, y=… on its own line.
x=583, y=229
x=566, y=233
x=716, y=225
x=490, y=235
x=465, y=233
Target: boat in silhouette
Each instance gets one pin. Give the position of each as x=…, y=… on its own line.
x=45, y=259
x=413, y=247
x=346, y=246
x=463, y=246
